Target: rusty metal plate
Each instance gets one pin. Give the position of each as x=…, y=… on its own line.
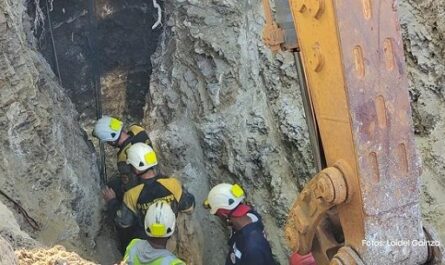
x=377, y=89
x=353, y=57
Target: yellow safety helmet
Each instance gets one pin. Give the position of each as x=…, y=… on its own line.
x=141, y=156
x=160, y=220
x=224, y=196
x=108, y=129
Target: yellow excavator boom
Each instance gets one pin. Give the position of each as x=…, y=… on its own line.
x=363, y=208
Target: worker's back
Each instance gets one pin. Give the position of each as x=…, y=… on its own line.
x=140, y=252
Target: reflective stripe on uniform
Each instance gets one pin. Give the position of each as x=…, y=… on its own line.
x=169, y=260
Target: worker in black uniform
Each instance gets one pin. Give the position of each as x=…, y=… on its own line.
x=111, y=131
x=153, y=187
x=248, y=245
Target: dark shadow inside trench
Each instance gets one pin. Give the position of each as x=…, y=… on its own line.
x=124, y=41
x=116, y=44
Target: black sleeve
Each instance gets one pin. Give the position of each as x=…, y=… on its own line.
x=125, y=217
x=141, y=137
x=187, y=201
x=113, y=206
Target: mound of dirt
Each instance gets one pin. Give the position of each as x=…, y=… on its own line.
x=53, y=256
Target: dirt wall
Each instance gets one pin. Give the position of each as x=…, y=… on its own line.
x=423, y=28
x=220, y=108
x=46, y=164
x=226, y=109
x=223, y=108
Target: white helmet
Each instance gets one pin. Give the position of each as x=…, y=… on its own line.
x=224, y=196
x=108, y=129
x=141, y=156
x=160, y=220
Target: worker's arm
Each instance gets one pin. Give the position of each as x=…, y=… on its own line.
x=139, y=135
x=186, y=203
x=112, y=202
x=127, y=216
x=184, y=199
x=113, y=206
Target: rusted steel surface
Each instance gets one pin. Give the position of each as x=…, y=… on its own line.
x=318, y=39
x=324, y=191
x=388, y=164
x=353, y=57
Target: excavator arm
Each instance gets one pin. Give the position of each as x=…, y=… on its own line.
x=363, y=207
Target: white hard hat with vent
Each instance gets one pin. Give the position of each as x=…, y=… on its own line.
x=141, y=156
x=160, y=220
x=108, y=129
x=224, y=196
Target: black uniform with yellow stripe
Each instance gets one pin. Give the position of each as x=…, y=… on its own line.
x=137, y=134
x=139, y=198
x=127, y=179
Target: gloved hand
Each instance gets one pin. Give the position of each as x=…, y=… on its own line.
x=108, y=194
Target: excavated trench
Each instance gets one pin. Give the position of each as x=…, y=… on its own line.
x=218, y=104
x=114, y=45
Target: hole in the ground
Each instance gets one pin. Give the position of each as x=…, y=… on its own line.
x=124, y=41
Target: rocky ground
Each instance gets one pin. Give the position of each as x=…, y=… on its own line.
x=55, y=255
x=47, y=165
x=219, y=107
x=225, y=109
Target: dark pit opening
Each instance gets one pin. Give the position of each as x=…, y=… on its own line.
x=116, y=45
x=124, y=43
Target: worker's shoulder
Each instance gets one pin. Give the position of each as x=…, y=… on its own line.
x=134, y=242
x=138, y=135
x=169, y=181
x=173, y=185
x=135, y=128
x=133, y=193
x=136, y=188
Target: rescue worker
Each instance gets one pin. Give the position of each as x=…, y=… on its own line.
x=110, y=130
x=159, y=226
x=153, y=187
x=247, y=244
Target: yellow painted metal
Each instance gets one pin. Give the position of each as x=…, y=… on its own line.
x=319, y=44
x=353, y=56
